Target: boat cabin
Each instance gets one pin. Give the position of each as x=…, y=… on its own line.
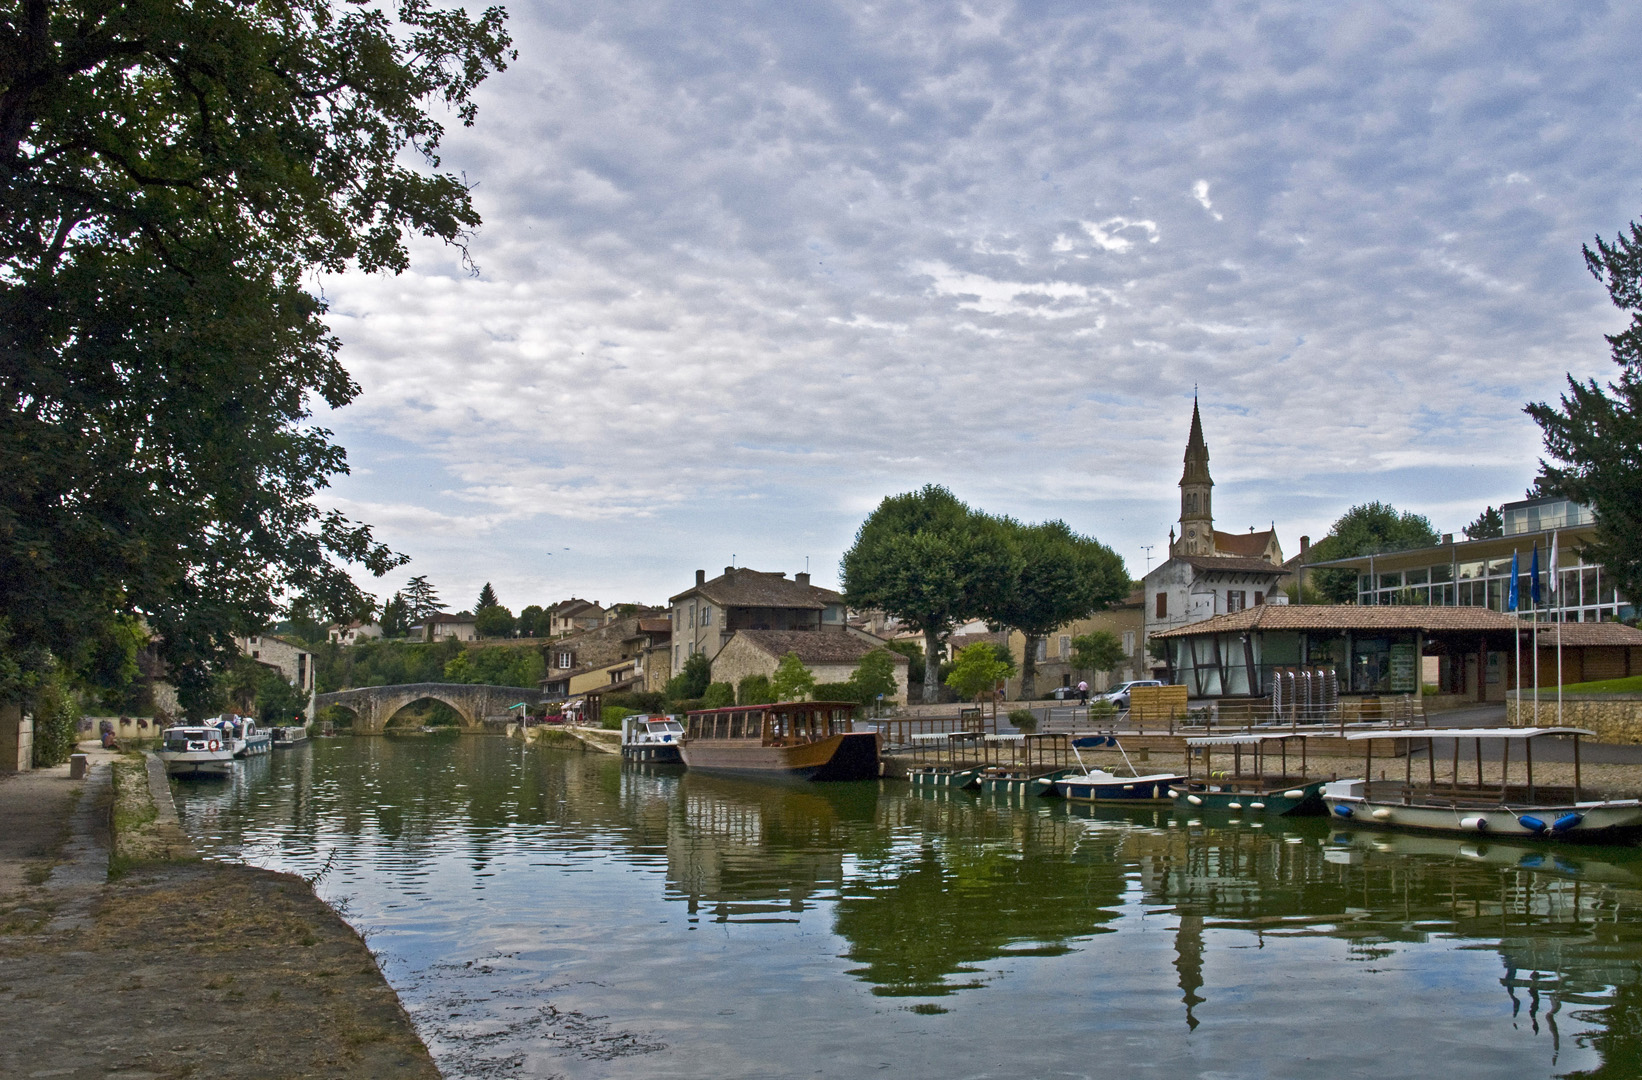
x=184, y=739
x=786, y=723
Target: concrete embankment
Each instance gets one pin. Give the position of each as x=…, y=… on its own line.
x=122, y=952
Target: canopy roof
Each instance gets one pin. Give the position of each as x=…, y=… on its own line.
x=1253, y=739
x=1517, y=734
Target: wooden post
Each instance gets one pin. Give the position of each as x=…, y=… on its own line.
x=1431, y=759
x=1528, y=752
x=1478, y=743
x=1576, y=768
x=1504, y=766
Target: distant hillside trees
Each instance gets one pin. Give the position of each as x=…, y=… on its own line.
x=1370, y=529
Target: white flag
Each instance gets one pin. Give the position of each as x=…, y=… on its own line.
x=1554, y=573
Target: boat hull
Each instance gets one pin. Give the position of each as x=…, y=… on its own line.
x=204, y=764
x=1272, y=803
x=653, y=753
x=1605, y=822
x=942, y=776
x=1022, y=785
x=1133, y=790
x=260, y=743
x=845, y=756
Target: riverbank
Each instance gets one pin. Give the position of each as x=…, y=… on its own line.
x=171, y=966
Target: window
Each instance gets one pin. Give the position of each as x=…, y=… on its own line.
x=1236, y=600
x=1065, y=646
x=706, y=616
x=1043, y=650
x=1259, y=598
x=692, y=616
x=1162, y=605
x=566, y=660
x=1129, y=642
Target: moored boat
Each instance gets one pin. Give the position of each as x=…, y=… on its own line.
x=286, y=736
x=1103, y=786
x=1036, y=760
x=653, y=739
x=249, y=739
x=956, y=777
x=195, y=751
x=1503, y=809
x=1262, y=792
x=812, y=740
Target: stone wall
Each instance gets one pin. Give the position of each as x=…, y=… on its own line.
x=1616, y=718
x=16, y=739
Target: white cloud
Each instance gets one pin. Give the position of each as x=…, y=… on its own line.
x=1200, y=192
x=1108, y=234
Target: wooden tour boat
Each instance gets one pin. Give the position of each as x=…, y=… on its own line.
x=1503, y=809
x=812, y=740
x=1257, y=793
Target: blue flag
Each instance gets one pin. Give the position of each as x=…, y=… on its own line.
x=1511, y=595
x=1533, y=576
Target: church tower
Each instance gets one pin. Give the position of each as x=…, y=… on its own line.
x=1196, y=518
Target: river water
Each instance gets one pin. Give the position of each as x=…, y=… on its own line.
x=548, y=913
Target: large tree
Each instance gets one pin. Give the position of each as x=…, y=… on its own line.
x=1593, y=439
x=1370, y=529
x=174, y=174
x=1059, y=576
x=932, y=562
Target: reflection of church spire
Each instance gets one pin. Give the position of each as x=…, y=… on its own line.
x=1196, y=488
x=1188, y=947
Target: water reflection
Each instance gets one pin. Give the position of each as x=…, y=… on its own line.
x=558, y=887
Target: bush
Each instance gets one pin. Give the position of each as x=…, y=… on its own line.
x=56, y=720
x=611, y=716
x=1101, y=710
x=719, y=695
x=838, y=691
x=692, y=682
x=334, y=715
x=1024, y=719
x=645, y=701
x=755, y=690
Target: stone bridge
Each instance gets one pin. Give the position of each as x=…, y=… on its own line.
x=375, y=705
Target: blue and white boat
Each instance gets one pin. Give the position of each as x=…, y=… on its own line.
x=1101, y=786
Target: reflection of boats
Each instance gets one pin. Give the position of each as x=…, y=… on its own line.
x=1525, y=811
x=1099, y=785
x=651, y=738
x=815, y=740
x=1258, y=793
x=196, y=751
x=1625, y=869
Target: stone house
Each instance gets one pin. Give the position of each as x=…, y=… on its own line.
x=291, y=660
x=353, y=633
x=651, y=646
x=705, y=616
x=832, y=657
x=439, y=626
x=575, y=616
x=596, y=659
x=1125, y=620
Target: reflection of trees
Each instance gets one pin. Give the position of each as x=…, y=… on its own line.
x=977, y=884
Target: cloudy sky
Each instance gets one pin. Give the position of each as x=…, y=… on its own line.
x=748, y=268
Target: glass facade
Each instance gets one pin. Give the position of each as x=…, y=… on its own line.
x=1585, y=593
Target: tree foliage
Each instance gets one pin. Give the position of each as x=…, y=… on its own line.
x=487, y=598
x=977, y=670
x=932, y=562
x=1593, y=437
x=754, y=690
x=875, y=675
x=494, y=621
x=421, y=599
x=1059, y=576
x=692, y=681
x=792, y=681
x=718, y=695
x=1370, y=529
x=1097, y=651
x=395, y=617
x=174, y=175
x=1489, y=524
x=529, y=617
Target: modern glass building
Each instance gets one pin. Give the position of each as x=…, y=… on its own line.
x=1477, y=573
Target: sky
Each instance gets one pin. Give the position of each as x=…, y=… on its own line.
x=746, y=269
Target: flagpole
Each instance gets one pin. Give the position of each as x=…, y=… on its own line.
x=1516, y=635
x=1561, y=617
x=1533, y=599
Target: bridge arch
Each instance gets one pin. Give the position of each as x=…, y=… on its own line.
x=374, y=706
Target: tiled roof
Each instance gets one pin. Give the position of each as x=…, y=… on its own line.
x=1590, y=633
x=812, y=646
x=655, y=626
x=1231, y=564
x=755, y=588
x=1349, y=617
x=1250, y=545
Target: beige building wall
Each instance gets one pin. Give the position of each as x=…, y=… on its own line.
x=1127, y=623
x=740, y=658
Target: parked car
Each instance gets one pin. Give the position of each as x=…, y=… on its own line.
x=1119, y=694
x=1063, y=693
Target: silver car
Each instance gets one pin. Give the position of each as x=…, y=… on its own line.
x=1119, y=694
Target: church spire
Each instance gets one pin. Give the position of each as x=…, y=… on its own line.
x=1196, y=489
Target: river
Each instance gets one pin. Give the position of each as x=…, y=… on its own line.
x=549, y=913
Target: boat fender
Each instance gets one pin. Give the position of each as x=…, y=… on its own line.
x=1046, y=781
x=1532, y=824
x=1154, y=791
x=1343, y=811
x=1257, y=805
x=1381, y=814
x=1477, y=822
x=1174, y=793
x=1566, y=822
x=1234, y=806
x=1294, y=793
x=1194, y=800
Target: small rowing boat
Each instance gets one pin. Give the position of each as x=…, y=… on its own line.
x=1269, y=794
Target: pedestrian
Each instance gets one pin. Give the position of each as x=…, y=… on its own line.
x=1083, y=692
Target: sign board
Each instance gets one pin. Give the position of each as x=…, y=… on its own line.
x=1404, y=673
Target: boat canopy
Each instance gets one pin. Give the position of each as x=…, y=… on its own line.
x=1249, y=739
x=1516, y=734
x=946, y=736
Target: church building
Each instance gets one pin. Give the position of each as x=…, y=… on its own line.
x=1209, y=572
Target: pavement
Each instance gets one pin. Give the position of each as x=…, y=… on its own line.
x=56, y=830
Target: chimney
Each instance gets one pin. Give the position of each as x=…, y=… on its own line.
x=802, y=579
x=728, y=570
x=1448, y=538
x=1305, y=545
x=701, y=577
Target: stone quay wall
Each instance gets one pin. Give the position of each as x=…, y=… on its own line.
x=1616, y=718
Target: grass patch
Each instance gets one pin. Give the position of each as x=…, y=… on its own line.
x=138, y=838
x=1632, y=685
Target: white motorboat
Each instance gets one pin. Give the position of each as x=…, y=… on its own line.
x=651, y=738
x=1469, y=807
x=196, y=751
